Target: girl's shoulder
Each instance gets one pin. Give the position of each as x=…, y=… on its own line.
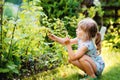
x=88, y=44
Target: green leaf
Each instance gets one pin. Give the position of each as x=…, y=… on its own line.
x=11, y=65
x=16, y=71
x=4, y=70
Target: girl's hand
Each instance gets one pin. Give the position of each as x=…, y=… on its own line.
x=52, y=36
x=67, y=41
x=69, y=60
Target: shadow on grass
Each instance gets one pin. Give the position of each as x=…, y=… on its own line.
x=113, y=73
x=75, y=76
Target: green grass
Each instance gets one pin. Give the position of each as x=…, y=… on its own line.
x=69, y=72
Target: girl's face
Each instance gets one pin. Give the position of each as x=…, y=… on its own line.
x=79, y=33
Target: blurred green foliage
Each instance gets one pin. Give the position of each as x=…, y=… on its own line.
x=18, y=2
x=25, y=42
x=10, y=10
x=112, y=37
x=110, y=2
x=60, y=8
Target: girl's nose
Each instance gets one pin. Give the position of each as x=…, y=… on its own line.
x=76, y=30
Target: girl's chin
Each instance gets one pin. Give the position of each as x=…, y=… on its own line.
x=78, y=37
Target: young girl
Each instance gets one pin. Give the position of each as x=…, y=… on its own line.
x=87, y=56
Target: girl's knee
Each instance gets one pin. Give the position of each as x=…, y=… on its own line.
x=69, y=60
x=82, y=59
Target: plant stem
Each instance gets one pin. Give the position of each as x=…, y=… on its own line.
x=9, y=55
x=11, y=45
x=1, y=30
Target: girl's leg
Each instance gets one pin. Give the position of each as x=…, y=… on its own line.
x=88, y=65
x=77, y=64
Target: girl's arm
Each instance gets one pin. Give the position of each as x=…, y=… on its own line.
x=62, y=40
x=79, y=53
x=74, y=41
x=57, y=39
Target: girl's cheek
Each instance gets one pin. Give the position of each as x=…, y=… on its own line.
x=79, y=35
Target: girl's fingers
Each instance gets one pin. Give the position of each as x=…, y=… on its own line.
x=51, y=36
x=67, y=40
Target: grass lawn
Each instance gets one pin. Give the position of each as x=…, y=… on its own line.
x=69, y=72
